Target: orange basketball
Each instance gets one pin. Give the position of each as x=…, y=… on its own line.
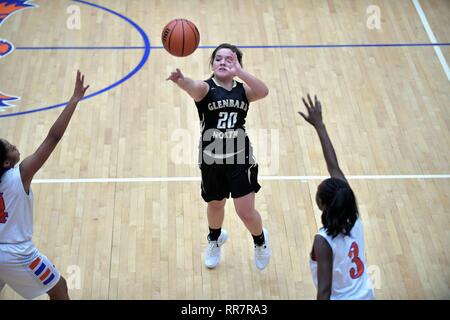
x=180, y=37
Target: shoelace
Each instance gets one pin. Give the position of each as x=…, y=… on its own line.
x=260, y=249
x=212, y=245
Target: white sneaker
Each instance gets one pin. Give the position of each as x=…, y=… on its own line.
x=212, y=253
x=262, y=253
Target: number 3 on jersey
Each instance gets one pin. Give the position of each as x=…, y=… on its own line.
x=223, y=123
x=354, y=255
x=3, y=213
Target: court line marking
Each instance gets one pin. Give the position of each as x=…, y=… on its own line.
x=148, y=48
x=293, y=46
x=261, y=178
x=136, y=69
x=431, y=36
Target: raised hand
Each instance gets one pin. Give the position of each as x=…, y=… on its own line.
x=236, y=67
x=176, y=76
x=314, y=116
x=80, y=89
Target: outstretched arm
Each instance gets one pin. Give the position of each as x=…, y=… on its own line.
x=255, y=89
x=195, y=88
x=33, y=163
x=314, y=117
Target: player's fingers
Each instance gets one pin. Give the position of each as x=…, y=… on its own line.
x=305, y=103
x=303, y=115
x=310, y=101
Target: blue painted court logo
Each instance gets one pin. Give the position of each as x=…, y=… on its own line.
x=6, y=48
x=8, y=8
x=7, y=100
x=4, y=101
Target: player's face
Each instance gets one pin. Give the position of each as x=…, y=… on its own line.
x=12, y=154
x=223, y=62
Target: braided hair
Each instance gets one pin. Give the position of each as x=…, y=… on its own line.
x=3, y=154
x=341, y=210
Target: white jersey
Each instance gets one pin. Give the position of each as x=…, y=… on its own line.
x=16, y=209
x=350, y=278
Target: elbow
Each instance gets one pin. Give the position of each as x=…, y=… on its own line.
x=54, y=137
x=265, y=92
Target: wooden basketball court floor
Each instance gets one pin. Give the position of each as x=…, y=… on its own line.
x=118, y=207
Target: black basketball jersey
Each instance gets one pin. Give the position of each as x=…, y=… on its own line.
x=222, y=116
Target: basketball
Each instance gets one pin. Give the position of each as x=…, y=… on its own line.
x=180, y=37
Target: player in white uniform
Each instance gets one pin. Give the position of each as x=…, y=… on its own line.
x=337, y=262
x=22, y=266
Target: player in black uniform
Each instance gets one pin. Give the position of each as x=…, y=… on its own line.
x=226, y=159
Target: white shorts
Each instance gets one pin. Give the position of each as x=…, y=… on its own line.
x=26, y=270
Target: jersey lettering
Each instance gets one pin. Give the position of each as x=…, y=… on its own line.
x=3, y=213
x=354, y=255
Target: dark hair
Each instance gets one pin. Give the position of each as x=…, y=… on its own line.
x=226, y=46
x=341, y=210
x=3, y=154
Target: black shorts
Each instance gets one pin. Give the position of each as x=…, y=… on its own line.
x=219, y=180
